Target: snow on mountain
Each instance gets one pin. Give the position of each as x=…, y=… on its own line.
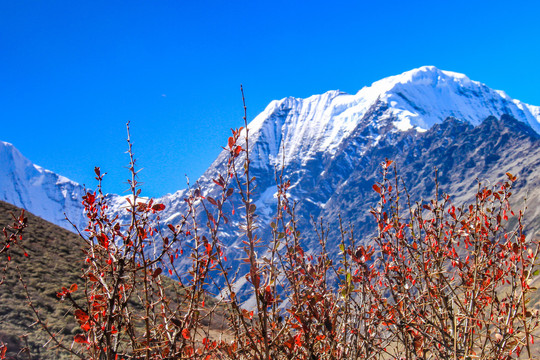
x=38, y=190
x=416, y=99
x=330, y=147
x=303, y=135
x=310, y=136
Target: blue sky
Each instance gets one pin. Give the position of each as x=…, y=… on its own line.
x=72, y=73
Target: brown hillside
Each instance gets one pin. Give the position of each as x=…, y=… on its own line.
x=54, y=260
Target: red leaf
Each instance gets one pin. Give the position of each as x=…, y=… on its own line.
x=73, y=288
x=81, y=316
x=80, y=339
x=85, y=327
x=156, y=273
x=219, y=183
x=92, y=277
x=376, y=188
x=103, y=240
x=237, y=150
x=158, y=207
x=90, y=198
x=185, y=334
x=231, y=142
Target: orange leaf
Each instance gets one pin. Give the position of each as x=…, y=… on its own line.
x=388, y=227
x=185, y=334
x=511, y=177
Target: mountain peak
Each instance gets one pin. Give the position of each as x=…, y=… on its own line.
x=425, y=96
x=425, y=75
x=414, y=100
x=38, y=190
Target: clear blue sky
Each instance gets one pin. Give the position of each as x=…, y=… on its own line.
x=72, y=73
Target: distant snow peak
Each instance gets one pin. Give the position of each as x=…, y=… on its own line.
x=42, y=192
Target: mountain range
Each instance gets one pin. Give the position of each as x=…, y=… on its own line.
x=330, y=147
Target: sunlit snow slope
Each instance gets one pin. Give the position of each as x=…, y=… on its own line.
x=416, y=99
x=37, y=190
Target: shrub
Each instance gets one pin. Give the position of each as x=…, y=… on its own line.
x=437, y=281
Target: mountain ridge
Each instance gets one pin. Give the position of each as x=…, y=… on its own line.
x=417, y=99
x=304, y=136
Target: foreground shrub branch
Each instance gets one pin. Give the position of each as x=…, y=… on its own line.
x=436, y=280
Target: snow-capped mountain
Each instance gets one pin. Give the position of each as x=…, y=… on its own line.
x=330, y=147
x=416, y=99
x=305, y=136
x=40, y=191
